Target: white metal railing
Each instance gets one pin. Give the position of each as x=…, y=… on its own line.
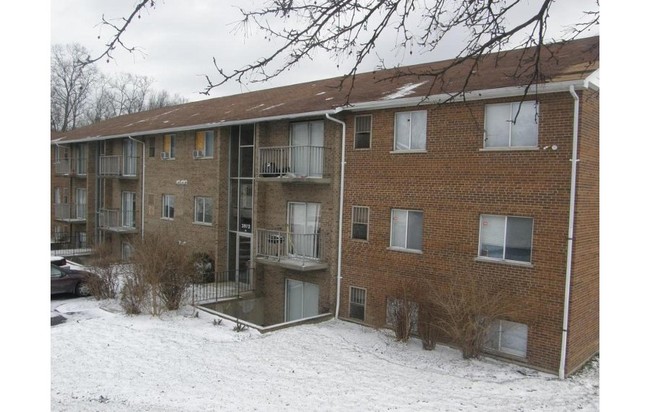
x=277, y=244
x=118, y=165
x=291, y=161
x=116, y=219
x=67, y=211
x=62, y=167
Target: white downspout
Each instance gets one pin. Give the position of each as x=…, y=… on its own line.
x=572, y=201
x=340, y=245
x=142, y=196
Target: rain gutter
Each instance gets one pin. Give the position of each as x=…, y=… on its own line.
x=569, y=259
x=340, y=234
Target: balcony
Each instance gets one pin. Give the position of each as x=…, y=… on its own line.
x=295, y=251
x=292, y=164
x=116, y=220
x=71, y=167
x=118, y=166
x=71, y=213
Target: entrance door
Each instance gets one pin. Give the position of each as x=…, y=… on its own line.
x=304, y=225
x=301, y=300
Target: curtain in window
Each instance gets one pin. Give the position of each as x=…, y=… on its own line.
x=304, y=224
x=307, y=141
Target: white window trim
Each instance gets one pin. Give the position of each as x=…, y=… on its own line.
x=509, y=147
x=165, y=198
x=404, y=249
x=354, y=141
x=500, y=350
x=201, y=222
x=505, y=231
x=410, y=149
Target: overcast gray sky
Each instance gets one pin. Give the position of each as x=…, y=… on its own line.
x=178, y=39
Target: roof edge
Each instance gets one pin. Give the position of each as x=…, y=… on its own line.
x=591, y=82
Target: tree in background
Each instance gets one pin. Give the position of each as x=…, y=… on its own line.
x=350, y=30
x=81, y=95
x=70, y=86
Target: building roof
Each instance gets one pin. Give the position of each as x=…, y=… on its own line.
x=572, y=61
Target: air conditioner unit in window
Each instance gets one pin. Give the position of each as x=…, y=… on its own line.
x=197, y=154
x=164, y=155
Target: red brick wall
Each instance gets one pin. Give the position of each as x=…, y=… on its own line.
x=453, y=183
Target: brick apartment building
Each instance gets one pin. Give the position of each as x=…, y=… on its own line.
x=486, y=183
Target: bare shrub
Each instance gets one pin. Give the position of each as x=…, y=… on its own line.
x=106, y=283
x=426, y=326
x=465, y=308
x=133, y=296
x=402, y=311
x=164, y=265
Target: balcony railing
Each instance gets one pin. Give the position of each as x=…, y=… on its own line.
x=69, y=244
x=67, y=167
x=290, y=250
x=117, y=220
x=224, y=285
x=292, y=162
x=118, y=166
x=70, y=212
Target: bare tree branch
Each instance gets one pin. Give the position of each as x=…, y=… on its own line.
x=119, y=32
x=350, y=30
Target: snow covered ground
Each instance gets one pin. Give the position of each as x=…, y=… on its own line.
x=103, y=360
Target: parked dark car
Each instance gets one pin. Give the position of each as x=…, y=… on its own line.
x=66, y=280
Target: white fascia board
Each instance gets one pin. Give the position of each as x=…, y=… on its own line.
x=202, y=126
x=470, y=96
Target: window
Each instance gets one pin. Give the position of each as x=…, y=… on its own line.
x=82, y=158
x=307, y=151
x=127, y=251
x=362, y=131
x=360, y=222
x=406, y=229
x=203, y=210
x=504, y=127
x=203, y=144
x=507, y=337
x=169, y=146
x=506, y=238
x=357, y=303
x=128, y=209
x=168, y=206
x=410, y=130
x=304, y=226
x=152, y=147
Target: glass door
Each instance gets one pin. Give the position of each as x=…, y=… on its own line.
x=304, y=227
x=307, y=139
x=301, y=300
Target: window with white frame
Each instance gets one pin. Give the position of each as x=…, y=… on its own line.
x=507, y=337
x=168, y=206
x=357, y=303
x=362, y=131
x=406, y=229
x=360, y=219
x=203, y=144
x=511, y=125
x=203, y=209
x=508, y=238
x=410, y=130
